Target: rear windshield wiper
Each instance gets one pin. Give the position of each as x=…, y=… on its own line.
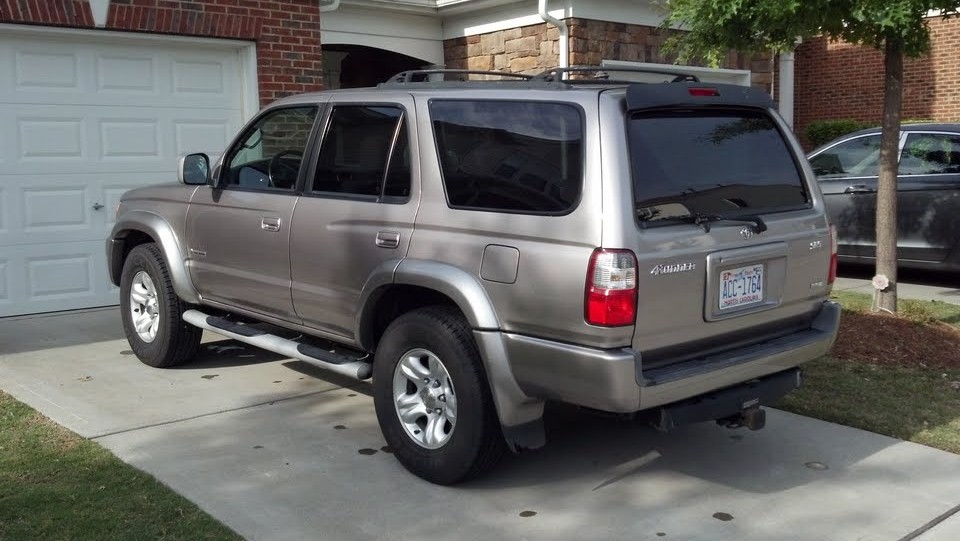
x=704, y=221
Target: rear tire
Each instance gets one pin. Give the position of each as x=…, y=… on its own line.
x=151, y=312
x=427, y=366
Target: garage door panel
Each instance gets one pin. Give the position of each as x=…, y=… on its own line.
x=4, y=210
x=57, y=276
x=55, y=210
x=127, y=73
x=100, y=139
x=198, y=77
x=66, y=73
x=130, y=139
x=207, y=136
x=4, y=283
x=44, y=209
x=40, y=67
x=39, y=209
x=84, y=118
x=45, y=138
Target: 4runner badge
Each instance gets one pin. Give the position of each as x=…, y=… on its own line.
x=671, y=269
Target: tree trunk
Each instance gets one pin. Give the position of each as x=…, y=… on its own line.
x=889, y=164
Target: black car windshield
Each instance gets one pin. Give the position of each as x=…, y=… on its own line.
x=721, y=163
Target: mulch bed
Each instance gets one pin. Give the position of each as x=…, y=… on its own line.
x=886, y=340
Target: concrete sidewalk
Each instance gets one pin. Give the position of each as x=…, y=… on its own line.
x=913, y=285
x=279, y=450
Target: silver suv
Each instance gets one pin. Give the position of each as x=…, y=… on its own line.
x=481, y=247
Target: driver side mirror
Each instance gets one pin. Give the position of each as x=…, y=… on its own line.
x=194, y=169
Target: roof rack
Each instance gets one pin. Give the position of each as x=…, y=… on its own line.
x=602, y=75
x=423, y=76
x=551, y=78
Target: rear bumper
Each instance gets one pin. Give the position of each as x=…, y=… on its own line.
x=614, y=380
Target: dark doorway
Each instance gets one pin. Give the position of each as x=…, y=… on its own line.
x=355, y=66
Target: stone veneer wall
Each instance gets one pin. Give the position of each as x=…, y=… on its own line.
x=534, y=48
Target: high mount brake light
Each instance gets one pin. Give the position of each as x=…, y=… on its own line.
x=704, y=92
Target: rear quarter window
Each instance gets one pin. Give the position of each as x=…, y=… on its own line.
x=718, y=162
x=509, y=156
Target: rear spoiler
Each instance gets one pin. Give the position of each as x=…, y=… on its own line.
x=686, y=94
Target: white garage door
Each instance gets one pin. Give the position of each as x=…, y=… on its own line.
x=82, y=120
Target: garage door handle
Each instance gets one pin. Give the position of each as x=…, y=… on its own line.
x=270, y=224
x=859, y=188
x=97, y=206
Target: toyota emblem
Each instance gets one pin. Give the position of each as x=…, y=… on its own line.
x=746, y=233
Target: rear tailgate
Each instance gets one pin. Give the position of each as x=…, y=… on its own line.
x=729, y=230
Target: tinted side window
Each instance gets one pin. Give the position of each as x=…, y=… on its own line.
x=930, y=154
x=858, y=157
x=509, y=156
x=364, y=146
x=271, y=152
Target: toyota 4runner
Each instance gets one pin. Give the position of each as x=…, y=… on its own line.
x=479, y=247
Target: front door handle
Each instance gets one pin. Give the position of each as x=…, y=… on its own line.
x=858, y=188
x=270, y=224
x=388, y=239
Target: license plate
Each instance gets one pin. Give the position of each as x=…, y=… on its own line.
x=741, y=286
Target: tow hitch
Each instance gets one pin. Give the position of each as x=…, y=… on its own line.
x=733, y=407
x=753, y=418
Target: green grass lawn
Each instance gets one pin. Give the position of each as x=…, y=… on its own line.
x=56, y=485
x=915, y=404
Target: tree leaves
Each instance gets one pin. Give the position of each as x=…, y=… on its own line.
x=713, y=27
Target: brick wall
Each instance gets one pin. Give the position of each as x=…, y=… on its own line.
x=839, y=80
x=534, y=48
x=287, y=32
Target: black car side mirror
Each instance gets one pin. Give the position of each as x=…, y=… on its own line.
x=194, y=169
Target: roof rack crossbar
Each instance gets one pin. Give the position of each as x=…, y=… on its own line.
x=413, y=76
x=557, y=74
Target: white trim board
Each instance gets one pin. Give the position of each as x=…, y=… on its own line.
x=716, y=75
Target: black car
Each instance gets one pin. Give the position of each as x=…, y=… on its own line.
x=928, y=189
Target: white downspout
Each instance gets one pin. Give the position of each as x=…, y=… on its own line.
x=787, y=86
x=333, y=5
x=564, y=33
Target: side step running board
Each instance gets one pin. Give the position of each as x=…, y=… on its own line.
x=351, y=367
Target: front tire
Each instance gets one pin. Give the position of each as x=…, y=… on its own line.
x=432, y=398
x=151, y=312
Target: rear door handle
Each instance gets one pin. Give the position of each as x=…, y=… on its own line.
x=388, y=239
x=858, y=188
x=270, y=224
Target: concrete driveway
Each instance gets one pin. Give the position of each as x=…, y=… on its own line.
x=278, y=450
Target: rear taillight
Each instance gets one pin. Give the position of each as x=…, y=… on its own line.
x=611, y=288
x=833, y=255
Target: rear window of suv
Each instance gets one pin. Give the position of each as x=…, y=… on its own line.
x=509, y=156
x=725, y=163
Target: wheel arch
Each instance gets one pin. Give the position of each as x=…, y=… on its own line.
x=398, y=286
x=138, y=227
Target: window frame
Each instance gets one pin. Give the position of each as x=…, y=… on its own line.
x=844, y=141
x=903, y=145
x=224, y=162
x=575, y=204
x=305, y=186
